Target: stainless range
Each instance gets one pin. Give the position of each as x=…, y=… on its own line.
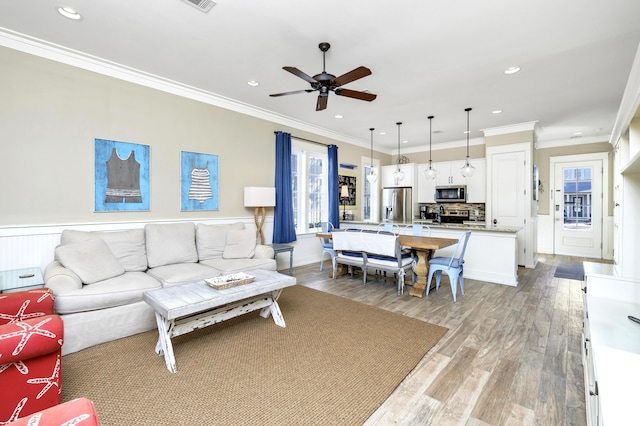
x=454, y=216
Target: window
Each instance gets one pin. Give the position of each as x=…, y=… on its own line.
x=370, y=192
x=577, y=198
x=309, y=177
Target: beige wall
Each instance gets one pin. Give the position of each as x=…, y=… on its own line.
x=51, y=113
x=543, y=167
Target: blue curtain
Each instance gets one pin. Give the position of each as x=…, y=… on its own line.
x=284, y=229
x=334, y=192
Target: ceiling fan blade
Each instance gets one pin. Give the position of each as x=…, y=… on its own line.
x=352, y=76
x=295, y=71
x=291, y=93
x=364, y=96
x=322, y=102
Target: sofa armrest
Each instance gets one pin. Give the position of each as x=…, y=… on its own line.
x=60, y=279
x=263, y=252
x=30, y=338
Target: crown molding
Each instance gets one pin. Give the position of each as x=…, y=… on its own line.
x=512, y=128
x=571, y=142
x=37, y=47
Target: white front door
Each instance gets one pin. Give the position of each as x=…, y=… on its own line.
x=507, y=196
x=577, y=208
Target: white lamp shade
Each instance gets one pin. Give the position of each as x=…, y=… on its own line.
x=344, y=191
x=259, y=196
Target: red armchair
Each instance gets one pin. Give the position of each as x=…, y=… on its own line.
x=30, y=353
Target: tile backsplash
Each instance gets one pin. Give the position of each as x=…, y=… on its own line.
x=476, y=210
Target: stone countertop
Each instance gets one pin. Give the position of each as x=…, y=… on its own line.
x=471, y=226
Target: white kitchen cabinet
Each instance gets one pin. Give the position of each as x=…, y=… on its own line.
x=610, y=346
x=426, y=187
x=409, y=180
x=477, y=184
x=448, y=173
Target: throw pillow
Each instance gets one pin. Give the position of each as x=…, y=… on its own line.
x=91, y=260
x=170, y=243
x=241, y=244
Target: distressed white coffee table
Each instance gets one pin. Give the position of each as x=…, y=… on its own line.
x=184, y=308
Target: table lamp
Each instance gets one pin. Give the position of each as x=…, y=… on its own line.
x=259, y=197
x=344, y=194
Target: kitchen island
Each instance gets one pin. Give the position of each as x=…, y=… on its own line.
x=492, y=252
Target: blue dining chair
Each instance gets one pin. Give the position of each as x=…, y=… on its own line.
x=453, y=266
x=327, y=244
x=417, y=230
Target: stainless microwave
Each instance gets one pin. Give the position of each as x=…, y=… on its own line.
x=451, y=194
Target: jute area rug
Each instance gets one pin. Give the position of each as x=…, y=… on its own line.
x=335, y=363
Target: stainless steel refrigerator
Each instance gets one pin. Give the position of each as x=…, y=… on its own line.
x=397, y=205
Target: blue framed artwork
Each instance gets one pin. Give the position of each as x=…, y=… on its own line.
x=121, y=176
x=198, y=181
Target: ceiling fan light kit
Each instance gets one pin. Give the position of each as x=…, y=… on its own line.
x=467, y=170
x=324, y=82
x=398, y=175
x=372, y=176
x=430, y=173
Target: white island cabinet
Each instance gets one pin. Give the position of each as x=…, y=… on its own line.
x=611, y=347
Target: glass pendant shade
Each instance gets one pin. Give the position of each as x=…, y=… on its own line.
x=398, y=175
x=372, y=177
x=430, y=173
x=467, y=170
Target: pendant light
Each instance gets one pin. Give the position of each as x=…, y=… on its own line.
x=372, y=177
x=467, y=170
x=430, y=173
x=398, y=175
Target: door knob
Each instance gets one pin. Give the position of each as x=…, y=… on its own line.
x=495, y=221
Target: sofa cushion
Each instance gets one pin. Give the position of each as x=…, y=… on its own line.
x=232, y=266
x=128, y=246
x=182, y=273
x=91, y=260
x=118, y=291
x=241, y=244
x=211, y=239
x=169, y=243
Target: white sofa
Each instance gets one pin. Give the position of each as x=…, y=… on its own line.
x=98, y=278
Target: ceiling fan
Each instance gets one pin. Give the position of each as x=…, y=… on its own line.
x=325, y=82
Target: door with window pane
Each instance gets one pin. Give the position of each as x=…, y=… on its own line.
x=577, y=209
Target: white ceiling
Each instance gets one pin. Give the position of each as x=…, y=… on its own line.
x=427, y=58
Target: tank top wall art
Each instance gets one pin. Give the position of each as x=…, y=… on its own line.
x=200, y=189
x=123, y=179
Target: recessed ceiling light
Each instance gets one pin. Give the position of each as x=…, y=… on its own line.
x=405, y=141
x=497, y=111
x=253, y=83
x=69, y=12
x=383, y=133
x=511, y=70
x=338, y=116
x=577, y=133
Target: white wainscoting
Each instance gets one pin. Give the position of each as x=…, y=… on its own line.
x=34, y=246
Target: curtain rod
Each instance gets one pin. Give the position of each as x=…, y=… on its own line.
x=307, y=140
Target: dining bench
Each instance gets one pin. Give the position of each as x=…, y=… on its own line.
x=379, y=250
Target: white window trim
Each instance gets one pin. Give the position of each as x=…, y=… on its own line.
x=375, y=189
x=305, y=149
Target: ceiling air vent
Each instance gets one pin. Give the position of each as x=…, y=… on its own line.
x=203, y=5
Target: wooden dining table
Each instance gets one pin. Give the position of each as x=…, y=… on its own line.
x=424, y=248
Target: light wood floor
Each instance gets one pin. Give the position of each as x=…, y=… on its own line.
x=512, y=355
